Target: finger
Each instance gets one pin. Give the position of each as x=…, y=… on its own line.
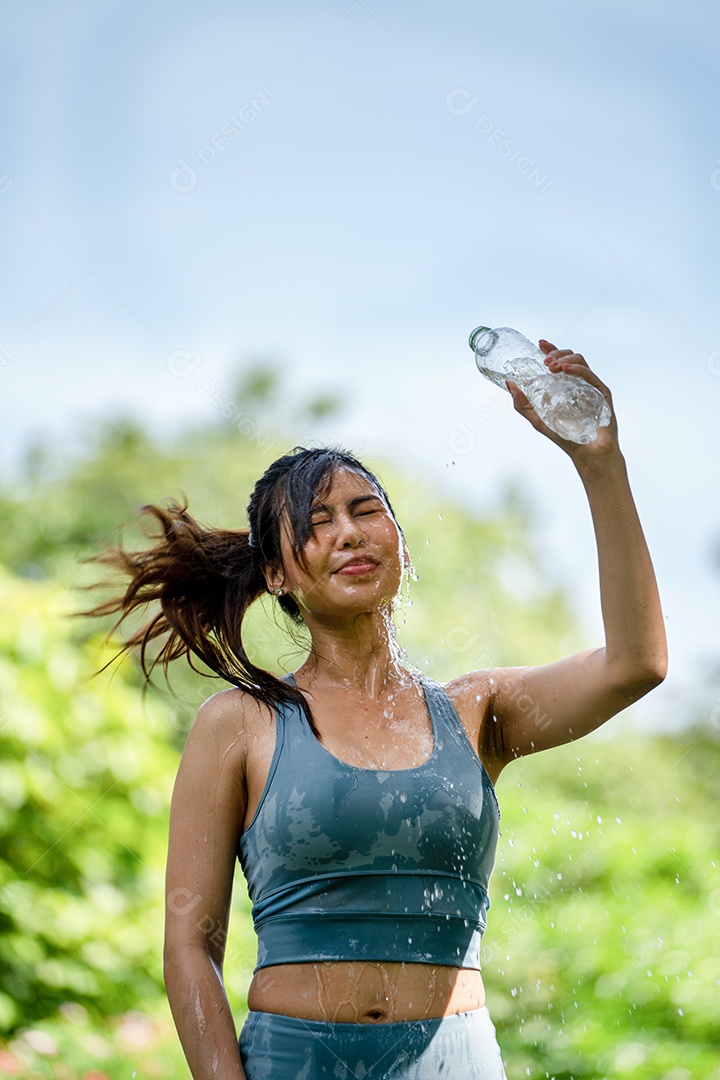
x=565, y=356
x=521, y=403
x=553, y=353
x=562, y=354
x=515, y=392
x=584, y=372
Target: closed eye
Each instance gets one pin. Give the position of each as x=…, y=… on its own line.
x=360, y=509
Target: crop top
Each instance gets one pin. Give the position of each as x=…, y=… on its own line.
x=346, y=863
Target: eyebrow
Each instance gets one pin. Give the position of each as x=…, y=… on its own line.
x=324, y=508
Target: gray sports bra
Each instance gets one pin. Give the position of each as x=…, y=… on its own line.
x=368, y=864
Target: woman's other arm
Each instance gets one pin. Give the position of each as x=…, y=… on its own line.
x=534, y=708
x=206, y=818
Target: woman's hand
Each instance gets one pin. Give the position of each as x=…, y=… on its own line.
x=565, y=361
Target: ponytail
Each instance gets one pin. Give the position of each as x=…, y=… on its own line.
x=204, y=581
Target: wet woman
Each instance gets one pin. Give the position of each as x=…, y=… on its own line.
x=357, y=795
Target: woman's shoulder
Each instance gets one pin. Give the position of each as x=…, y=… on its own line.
x=225, y=705
x=472, y=690
x=472, y=696
x=227, y=724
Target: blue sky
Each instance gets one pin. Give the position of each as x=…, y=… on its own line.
x=350, y=188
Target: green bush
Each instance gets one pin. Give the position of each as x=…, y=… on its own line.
x=598, y=956
x=85, y=776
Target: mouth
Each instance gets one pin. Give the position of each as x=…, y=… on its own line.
x=357, y=567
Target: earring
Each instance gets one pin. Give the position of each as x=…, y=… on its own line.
x=278, y=592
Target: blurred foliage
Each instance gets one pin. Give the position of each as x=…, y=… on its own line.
x=85, y=775
x=605, y=897
x=596, y=959
x=75, y=1045
x=63, y=501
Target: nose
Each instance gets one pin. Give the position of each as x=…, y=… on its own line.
x=349, y=532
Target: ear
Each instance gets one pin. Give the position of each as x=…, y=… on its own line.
x=274, y=577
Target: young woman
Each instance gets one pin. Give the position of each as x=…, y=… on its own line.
x=358, y=796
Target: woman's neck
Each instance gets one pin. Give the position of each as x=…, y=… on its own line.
x=361, y=655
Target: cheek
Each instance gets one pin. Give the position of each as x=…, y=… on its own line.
x=315, y=571
x=393, y=535
x=389, y=538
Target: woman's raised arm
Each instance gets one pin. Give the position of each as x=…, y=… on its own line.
x=534, y=708
x=206, y=818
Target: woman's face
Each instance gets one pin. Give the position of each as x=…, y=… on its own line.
x=354, y=555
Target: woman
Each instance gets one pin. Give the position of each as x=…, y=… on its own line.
x=358, y=797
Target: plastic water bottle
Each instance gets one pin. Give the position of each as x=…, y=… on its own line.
x=568, y=405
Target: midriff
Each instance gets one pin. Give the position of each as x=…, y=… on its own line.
x=364, y=991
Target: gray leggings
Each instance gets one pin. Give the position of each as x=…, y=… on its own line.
x=276, y=1047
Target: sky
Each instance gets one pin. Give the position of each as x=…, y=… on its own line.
x=348, y=188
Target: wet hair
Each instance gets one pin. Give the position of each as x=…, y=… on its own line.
x=205, y=579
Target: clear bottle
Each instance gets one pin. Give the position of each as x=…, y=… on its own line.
x=568, y=405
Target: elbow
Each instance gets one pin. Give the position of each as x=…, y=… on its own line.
x=651, y=678
x=184, y=960
x=175, y=962
x=659, y=671
x=643, y=678
x=656, y=670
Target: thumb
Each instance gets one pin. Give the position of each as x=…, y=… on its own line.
x=522, y=405
x=519, y=397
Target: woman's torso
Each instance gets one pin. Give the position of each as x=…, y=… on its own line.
x=372, y=736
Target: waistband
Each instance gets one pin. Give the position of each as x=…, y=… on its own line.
x=292, y=939
x=462, y=1044
x=415, y=917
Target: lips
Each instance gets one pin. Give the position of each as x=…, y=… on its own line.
x=357, y=566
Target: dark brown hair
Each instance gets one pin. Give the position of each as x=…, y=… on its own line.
x=205, y=579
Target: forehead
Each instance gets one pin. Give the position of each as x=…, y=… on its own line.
x=343, y=485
